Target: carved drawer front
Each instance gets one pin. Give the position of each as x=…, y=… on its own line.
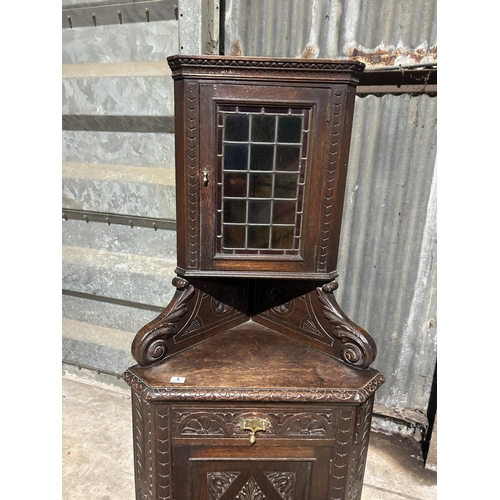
x=263, y=424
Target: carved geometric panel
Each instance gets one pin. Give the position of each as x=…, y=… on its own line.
x=251, y=491
x=211, y=472
x=219, y=482
x=284, y=483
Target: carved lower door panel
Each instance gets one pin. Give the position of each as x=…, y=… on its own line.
x=244, y=473
x=242, y=480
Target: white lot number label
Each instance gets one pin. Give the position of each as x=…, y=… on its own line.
x=177, y=380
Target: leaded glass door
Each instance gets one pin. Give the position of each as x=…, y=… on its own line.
x=262, y=161
x=257, y=174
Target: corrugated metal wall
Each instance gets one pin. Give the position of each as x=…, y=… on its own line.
x=387, y=261
x=118, y=175
x=384, y=33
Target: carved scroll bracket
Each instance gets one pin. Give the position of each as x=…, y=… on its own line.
x=357, y=347
x=150, y=343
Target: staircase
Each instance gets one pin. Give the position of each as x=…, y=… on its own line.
x=118, y=231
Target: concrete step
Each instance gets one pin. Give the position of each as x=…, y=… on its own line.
x=119, y=189
x=96, y=347
x=120, y=276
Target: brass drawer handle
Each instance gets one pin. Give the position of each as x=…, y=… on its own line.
x=205, y=177
x=254, y=425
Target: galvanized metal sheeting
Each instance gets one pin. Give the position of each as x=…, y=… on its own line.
x=381, y=34
x=387, y=256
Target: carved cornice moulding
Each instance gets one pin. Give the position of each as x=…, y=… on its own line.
x=344, y=71
x=300, y=395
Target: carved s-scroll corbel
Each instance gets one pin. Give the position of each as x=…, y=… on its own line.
x=150, y=344
x=357, y=348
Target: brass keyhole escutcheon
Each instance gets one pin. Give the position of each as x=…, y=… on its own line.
x=254, y=425
x=205, y=177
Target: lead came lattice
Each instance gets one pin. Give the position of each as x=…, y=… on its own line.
x=262, y=156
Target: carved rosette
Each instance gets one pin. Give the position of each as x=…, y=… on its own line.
x=357, y=347
x=202, y=424
x=150, y=343
x=282, y=303
x=229, y=293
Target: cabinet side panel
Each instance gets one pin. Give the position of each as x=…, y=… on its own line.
x=143, y=447
x=338, y=157
x=339, y=469
x=187, y=173
x=163, y=453
x=334, y=181
x=361, y=440
x=152, y=452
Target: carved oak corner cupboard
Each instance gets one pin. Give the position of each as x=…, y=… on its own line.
x=252, y=383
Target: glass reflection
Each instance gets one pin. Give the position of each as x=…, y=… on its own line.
x=235, y=185
x=263, y=128
x=285, y=186
x=234, y=236
x=287, y=158
x=258, y=236
x=282, y=237
x=235, y=210
x=259, y=211
x=260, y=186
x=235, y=156
x=236, y=128
x=289, y=128
x=284, y=212
x=261, y=157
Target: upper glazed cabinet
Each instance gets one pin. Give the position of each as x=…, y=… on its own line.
x=261, y=165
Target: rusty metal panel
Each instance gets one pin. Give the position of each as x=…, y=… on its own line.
x=387, y=256
x=380, y=34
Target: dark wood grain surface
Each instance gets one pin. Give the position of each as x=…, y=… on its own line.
x=252, y=355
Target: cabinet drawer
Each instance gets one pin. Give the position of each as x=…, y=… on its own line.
x=227, y=422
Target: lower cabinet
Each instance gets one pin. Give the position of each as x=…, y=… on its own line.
x=193, y=451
